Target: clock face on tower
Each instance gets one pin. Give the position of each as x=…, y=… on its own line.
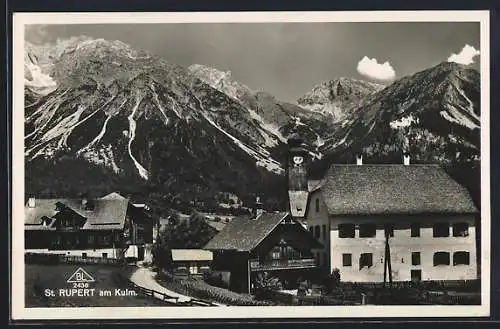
x=298, y=159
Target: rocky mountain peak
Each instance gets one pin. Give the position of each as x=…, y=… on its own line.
x=338, y=97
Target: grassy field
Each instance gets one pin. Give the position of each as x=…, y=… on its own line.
x=41, y=277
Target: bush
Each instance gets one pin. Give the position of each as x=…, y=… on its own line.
x=265, y=282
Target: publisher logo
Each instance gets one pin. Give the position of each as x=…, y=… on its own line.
x=80, y=276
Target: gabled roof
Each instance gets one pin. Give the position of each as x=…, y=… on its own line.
x=393, y=189
x=108, y=212
x=113, y=196
x=245, y=234
x=191, y=255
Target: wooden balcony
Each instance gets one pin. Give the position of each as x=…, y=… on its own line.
x=281, y=264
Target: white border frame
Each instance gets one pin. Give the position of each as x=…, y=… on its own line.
x=19, y=312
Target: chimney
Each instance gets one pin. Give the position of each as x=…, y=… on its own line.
x=87, y=204
x=31, y=202
x=406, y=159
x=359, y=159
x=258, y=210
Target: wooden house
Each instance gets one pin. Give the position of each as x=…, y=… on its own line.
x=264, y=242
x=103, y=227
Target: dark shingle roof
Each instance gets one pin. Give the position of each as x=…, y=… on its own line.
x=244, y=234
x=393, y=189
x=107, y=214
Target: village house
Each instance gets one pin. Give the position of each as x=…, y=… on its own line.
x=380, y=222
x=272, y=242
x=107, y=227
x=191, y=262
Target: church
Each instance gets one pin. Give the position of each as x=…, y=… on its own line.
x=385, y=222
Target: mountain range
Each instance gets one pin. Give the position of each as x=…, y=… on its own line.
x=102, y=116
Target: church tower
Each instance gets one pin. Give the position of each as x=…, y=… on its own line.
x=297, y=163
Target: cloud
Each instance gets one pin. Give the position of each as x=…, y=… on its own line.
x=465, y=56
x=374, y=70
x=36, y=33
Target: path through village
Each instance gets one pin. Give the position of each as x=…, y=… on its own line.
x=145, y=277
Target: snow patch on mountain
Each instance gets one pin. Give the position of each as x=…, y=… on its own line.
x=102, y=156
x=454, y=115
x=157, y=101
x=36, y=79
x=262, y=160
x=403, y=122
x=132, y=125
x=267, y=129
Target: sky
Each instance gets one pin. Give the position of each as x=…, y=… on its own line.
x=289, y=59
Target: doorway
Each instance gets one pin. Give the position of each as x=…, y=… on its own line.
x=416, y=275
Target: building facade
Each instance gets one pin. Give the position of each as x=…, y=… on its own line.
x=383, y=222
x=105, y=227
x=396, y=222
x=265, y=242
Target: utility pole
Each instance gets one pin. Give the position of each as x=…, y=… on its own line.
x=387, y=257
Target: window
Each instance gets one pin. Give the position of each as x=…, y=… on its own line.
x=441, y=258
x=193, y=269
x=346, y=230
x=324, y=231
x=316, y=231
x=103, y=239
x=275, y=254
x=367, y=230
x=390, y=229
x=461, y=229
x=346, y=260
x=416, y=275
x=84, y=255
x=415, y=230
x=317, y=205
x=441, y=230
x=104, y=255
x=461, y=258
x=90, y=239
x=365, y=260
x=57, y=240
x=415, y=258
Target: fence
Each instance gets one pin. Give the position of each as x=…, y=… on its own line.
x=469, y=285
x=281, y=298
x=53, y=259
x=404, y=295
x=170, y=300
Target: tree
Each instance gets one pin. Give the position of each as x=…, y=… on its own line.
x=192, y=233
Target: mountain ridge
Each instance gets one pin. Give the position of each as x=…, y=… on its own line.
x=191, y=133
